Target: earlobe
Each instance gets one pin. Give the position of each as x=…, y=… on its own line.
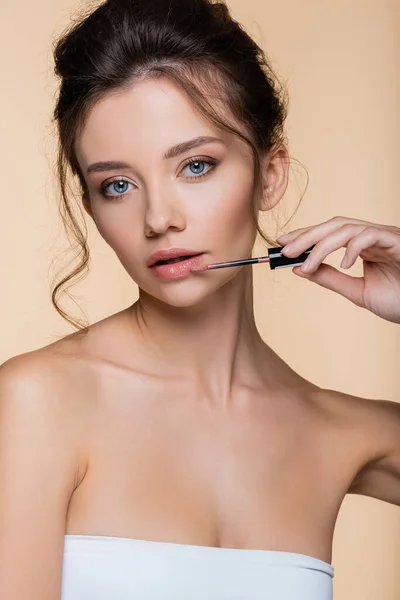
x=269, y=199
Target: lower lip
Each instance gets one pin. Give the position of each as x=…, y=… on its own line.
x=177, y=270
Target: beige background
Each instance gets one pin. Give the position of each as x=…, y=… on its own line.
x=340, y=59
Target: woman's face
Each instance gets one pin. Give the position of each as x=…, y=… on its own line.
x=155, y=203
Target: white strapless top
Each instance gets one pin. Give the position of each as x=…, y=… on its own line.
x=115, y=568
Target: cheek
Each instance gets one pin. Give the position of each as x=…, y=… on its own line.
x=232, y=216
x=122, y=231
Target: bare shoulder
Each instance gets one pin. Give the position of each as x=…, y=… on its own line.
x=49, y=368
x=42, y=438
x=40, y=367
x=66, y=371
x=377, y=422
x=370, y=428
x=44, y=386
x=33, y=372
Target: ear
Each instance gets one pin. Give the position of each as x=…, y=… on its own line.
x=86, y=205
x=275, y=177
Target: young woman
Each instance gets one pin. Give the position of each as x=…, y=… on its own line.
x=167, y=452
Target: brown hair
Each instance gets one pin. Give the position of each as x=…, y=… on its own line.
x=198, y=45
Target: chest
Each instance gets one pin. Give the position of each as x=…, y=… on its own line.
x=251, y=476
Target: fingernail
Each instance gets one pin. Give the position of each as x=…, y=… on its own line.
x=345, y=262
x=299, y=272
x=307, y=265
x=288, y=248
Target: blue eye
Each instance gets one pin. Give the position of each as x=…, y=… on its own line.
x=197, y=164
x=118, y=186
x=198, y=167
x=121, y=189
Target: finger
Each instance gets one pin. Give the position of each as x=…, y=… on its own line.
x=316, y=232
x=326, y=246
x=330, y=278
x=285, y=239
x=376, y=240
x=342, y=238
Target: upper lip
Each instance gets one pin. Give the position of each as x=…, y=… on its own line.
x=170, y=253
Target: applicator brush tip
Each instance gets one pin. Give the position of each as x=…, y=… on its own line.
x=199, y=268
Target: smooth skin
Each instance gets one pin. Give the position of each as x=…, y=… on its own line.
x=173, y=420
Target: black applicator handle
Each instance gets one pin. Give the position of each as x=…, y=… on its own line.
x=278, y=261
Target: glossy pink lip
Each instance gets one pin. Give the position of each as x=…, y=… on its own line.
x=177, y=270
x=170, y=253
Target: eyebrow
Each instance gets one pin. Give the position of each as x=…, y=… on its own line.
x=100, y=167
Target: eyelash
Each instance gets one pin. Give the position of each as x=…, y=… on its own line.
x=210, y=161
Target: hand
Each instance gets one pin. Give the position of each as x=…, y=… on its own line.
x=377, y=245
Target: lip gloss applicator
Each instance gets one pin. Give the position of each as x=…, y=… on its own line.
x=275, y=259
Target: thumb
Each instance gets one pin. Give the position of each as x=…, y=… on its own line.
x=328, y=277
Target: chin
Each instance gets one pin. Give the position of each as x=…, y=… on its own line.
x=191, y=291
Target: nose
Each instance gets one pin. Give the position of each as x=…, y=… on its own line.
x=163, y=211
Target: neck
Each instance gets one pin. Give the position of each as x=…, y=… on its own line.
x=215, y=345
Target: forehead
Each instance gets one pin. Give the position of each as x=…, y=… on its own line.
x=150, y=115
